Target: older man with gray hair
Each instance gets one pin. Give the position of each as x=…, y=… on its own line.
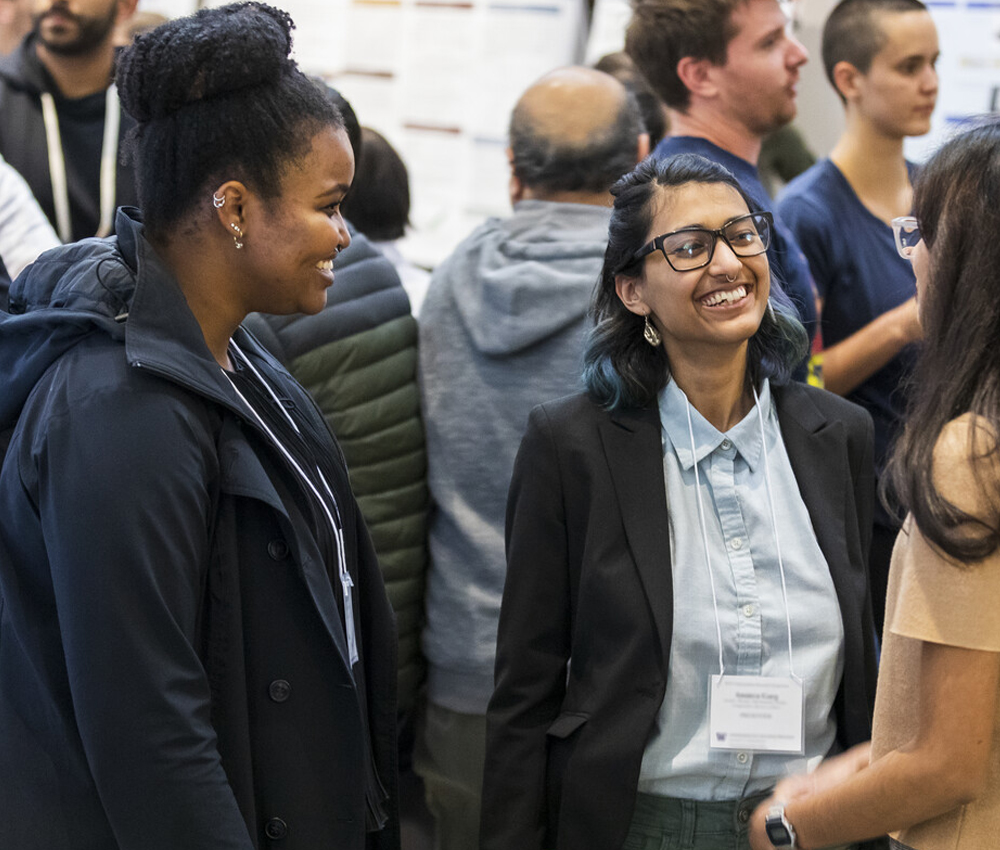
x=501, y=330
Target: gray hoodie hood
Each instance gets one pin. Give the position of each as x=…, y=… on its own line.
x=517, y=281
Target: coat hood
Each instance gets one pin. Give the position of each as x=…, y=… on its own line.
x=22, y=70
x=93, y=286
x=518, y=281
x=67, y=294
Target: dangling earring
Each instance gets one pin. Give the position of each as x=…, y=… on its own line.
x=238, y=238
x=218, y=201
x=651, y=334
x=770, y=310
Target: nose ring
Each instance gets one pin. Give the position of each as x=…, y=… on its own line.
x=731, y=279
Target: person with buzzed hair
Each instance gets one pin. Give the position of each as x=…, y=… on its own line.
x=502, y=330
x=879, y=56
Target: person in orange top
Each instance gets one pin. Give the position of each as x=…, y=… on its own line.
x=931, y=775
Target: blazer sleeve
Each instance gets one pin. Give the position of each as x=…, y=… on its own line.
x=533, y=647
x=856, y=702
x=123, y=483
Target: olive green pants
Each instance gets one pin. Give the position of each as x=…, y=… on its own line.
x=448, y=755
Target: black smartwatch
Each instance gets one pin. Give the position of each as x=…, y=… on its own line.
x=779, y=830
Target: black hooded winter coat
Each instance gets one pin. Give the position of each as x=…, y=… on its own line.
x=173, y=664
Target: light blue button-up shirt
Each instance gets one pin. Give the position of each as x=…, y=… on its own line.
x=744, y=560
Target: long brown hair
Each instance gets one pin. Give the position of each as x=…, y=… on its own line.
x=957, y=203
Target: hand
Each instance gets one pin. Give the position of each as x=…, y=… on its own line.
x=795, y=786
x=829, y=774
x=757, y=834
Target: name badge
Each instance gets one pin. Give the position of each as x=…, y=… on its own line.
x=760, y=713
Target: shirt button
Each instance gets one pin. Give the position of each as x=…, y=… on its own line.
x=279, y=690
x=276, y=829
x=744, y=814
x=742, y=758
x=727, y=445
x=737, y=543
x=277, y=549
x=748, y=610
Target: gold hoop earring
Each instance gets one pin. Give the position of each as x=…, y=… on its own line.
x=651, y=334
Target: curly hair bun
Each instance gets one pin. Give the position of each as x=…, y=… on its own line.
x=212, y=53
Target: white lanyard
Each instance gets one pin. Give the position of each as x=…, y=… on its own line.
x=774, y=528
x=346, y=582
x=57, y=164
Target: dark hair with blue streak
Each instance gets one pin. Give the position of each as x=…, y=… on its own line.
x=620, y=368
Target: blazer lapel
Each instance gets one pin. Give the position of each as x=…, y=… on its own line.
x=817, y=450
x=632, y=444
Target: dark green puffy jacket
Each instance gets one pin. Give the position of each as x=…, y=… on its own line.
x=358, y=359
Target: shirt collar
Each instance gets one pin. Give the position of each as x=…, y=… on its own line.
x=744, y=435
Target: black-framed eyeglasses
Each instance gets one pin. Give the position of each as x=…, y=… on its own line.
x=693, y=247
x=906, y=232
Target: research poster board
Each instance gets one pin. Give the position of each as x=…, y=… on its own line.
x=169, y=8
x=968, y=70
x=438, y=79
x=607, y=28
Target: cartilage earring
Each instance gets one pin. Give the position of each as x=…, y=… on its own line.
x=651, y=334
x=218, y=201
x=238, y=238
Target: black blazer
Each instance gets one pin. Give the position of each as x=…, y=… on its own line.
x=587, y=616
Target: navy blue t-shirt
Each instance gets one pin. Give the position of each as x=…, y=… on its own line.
x=859, y=276
x=788, y=264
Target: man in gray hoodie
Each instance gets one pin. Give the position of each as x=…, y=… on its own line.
x=502, y=330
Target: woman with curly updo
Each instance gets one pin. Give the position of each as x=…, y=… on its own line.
x=196, y=650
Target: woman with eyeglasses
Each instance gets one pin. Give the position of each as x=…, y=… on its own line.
x=686, y=615
x=932, y=776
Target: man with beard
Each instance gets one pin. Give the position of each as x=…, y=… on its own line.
x=60, y=123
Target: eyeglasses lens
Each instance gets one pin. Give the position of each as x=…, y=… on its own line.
x=907, y=234
x=747, y=236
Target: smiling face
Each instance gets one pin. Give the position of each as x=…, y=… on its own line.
x=899, y=92
x=718, y=306
x=291, y=240
x=758, y=82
